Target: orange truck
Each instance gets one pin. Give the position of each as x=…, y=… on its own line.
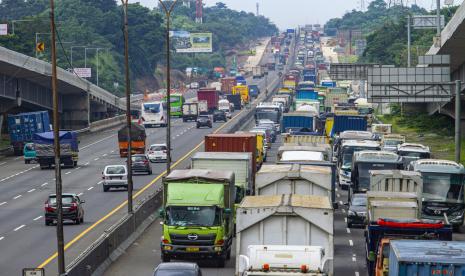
x=138, y=137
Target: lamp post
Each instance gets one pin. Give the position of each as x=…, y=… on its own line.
x=168, y=11
x=128, y=103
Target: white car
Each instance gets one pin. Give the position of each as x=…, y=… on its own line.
x=114, y=176
x=157, y=153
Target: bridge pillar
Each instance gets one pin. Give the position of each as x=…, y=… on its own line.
x=98, y=111
x=75, y=112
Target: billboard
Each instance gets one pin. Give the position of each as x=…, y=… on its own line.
x=83, y=72
x=3, y=29
x=186, y=42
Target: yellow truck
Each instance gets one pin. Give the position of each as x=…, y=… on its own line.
x=242, y=90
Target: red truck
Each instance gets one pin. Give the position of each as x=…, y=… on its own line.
x=227, y=85
x=211, y=96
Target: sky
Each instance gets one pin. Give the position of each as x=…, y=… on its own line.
x=291, y=13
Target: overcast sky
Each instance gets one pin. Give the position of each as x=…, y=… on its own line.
x=290, y=13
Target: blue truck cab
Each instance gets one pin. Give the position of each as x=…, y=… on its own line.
x=254, y=90
x=44, y=147
x=29, y=153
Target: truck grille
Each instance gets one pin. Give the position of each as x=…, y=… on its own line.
x=202, y=240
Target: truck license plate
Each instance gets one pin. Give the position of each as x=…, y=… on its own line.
x=192, y=249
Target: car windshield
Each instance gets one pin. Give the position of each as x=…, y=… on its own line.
x=157, y=148
x=443, y=187
x=152, y=107
x=116, y=170
x=138, y=158
x=29, y=147
x=359, y=201
x=392, y=142
x=193, y=216
x=365, y=168
x=273, y=116
x=414, y=154
x=65, y=200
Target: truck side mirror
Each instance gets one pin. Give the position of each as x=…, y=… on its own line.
x=227, y=211
x=371, y=256
x=161, y=212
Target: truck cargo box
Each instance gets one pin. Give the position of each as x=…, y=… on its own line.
x=396, y=181
x=286, y=220
x=227, y=84
x=343, y=123
x=306, y=94
x=211, y=96
x=23, y=126
x=402, y=203
x=235, y=100
x=297, y=139
x=424, y=258
x=297, y=120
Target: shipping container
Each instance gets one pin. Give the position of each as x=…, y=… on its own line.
x=286, y=220
x=296, y=121
x=239, y=163
x=426, y=257
x=233, y=143
x=211, y=96
x=235, y=100
x=306, y=94
x=227, y=84
x=23, y=126
x=343, y=123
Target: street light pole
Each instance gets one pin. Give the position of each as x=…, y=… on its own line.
x=56, y=143
x=128, y=104
x=72, y=53
x=168, y=11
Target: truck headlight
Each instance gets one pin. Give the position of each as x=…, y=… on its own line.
x=457, y=214
x=218, y=248
x=167, y=247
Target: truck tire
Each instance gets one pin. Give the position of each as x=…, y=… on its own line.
x=75, y=163
x=165, y=258
x=228, y=254
x=105, y=189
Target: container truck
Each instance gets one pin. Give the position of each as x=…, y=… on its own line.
x=23, y=126
x=240, y=163
x=138, y=138
x=424, y=258
x=379, y=235
x=308, y=94
x=297, y=121
x=392, y=205
x=343, y=123
x=198, y=215
x=242, y=90
x=235, y=100
x=203, y=108
x=190, y=111
x=261, y=144
x=443, y=185
x=396, y=181
x=227, y=85
x=257, y=72
x=45, y=151
x=285, y=221
x=233, y=143
x=211, y=96
x=391, y=141
x=254, y=90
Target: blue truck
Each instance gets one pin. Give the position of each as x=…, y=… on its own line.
x=348, y=122
x=45, y=153
x=295, y=121
x=23, y=126
x=424, y=258
x=254, y=90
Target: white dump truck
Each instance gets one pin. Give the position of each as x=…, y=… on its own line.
x=392, y=205
x=284, y=223
x=396, y=181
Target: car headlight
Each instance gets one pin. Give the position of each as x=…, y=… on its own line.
x=457, y=214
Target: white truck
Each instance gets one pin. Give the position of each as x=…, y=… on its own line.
x=284, y=223
x=225, y=106
x=241, y=163
x=190, y=111
x=293, y=179
x=257, y=72
x=392, y=205
x=203, y=107
x=396, y=181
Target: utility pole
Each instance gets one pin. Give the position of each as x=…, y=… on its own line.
x=56, y=144
x=168, y=11
x=409, y=40
x=458, y=111
x=128, y=104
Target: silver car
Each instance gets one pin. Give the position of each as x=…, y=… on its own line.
x=115, y=176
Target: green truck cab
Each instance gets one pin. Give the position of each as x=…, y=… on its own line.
x=198, y=215
x=29, y=152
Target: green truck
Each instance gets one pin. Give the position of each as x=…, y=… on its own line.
x=198, y=215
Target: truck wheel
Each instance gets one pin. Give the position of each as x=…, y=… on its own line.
x=349, y=224
x=165, y=258
x=74, y=163
x=220, y=262
x=77, y=221
x=228, y=254
x=27, y=161
x=105, y=189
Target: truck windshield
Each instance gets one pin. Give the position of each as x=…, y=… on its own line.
x=364, y=172
x=443, y=187
x=270, y=115
x=422, y=155
x=193, y=216
x=348, y=153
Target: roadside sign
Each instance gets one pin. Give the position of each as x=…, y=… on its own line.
x=3, y=29
x=427, y=21
x=83, y=72
x=40, y=47
x=33, y=272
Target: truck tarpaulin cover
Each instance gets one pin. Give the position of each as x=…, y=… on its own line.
x=69, y=137
x=137, y=133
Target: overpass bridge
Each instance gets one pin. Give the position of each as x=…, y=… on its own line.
x=80, y=101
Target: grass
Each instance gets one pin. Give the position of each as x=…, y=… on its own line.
x=437, y=132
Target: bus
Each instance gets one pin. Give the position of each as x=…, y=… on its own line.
x=177, y=100
x=154, y=114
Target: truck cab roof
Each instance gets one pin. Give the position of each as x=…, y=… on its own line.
x=436, y=165
x=371, y=156
x=360, y=143
x=411, y=147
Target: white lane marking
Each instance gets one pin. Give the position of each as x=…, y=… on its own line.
x=348, y=230
x=104, y=154
x=3, y=163
x=80, y=194
x=3, y=203
x=351, y=243
x=90, y=188
x=1, y=238
x=112, y=151
x=37, y=218
x=356, y=273
x=77, y=168
x=18, y=157
x=31, y=190
x=96, y=142
x=44, y=184
x=18, y=196
x=100, y=182
x=95, y=159
x=86, y=163
x=19, y=227
x=68, y=172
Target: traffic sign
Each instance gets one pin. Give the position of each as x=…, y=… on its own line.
x=3, y=29
x=33, y=272
x=40, y=47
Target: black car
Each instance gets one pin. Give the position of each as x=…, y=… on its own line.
x=357, y=213
x=140, y=163
x=177, y=269
x=204, y=121
x=219, y=115
x=72, y=209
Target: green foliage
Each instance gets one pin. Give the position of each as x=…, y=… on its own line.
x=98, y=24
